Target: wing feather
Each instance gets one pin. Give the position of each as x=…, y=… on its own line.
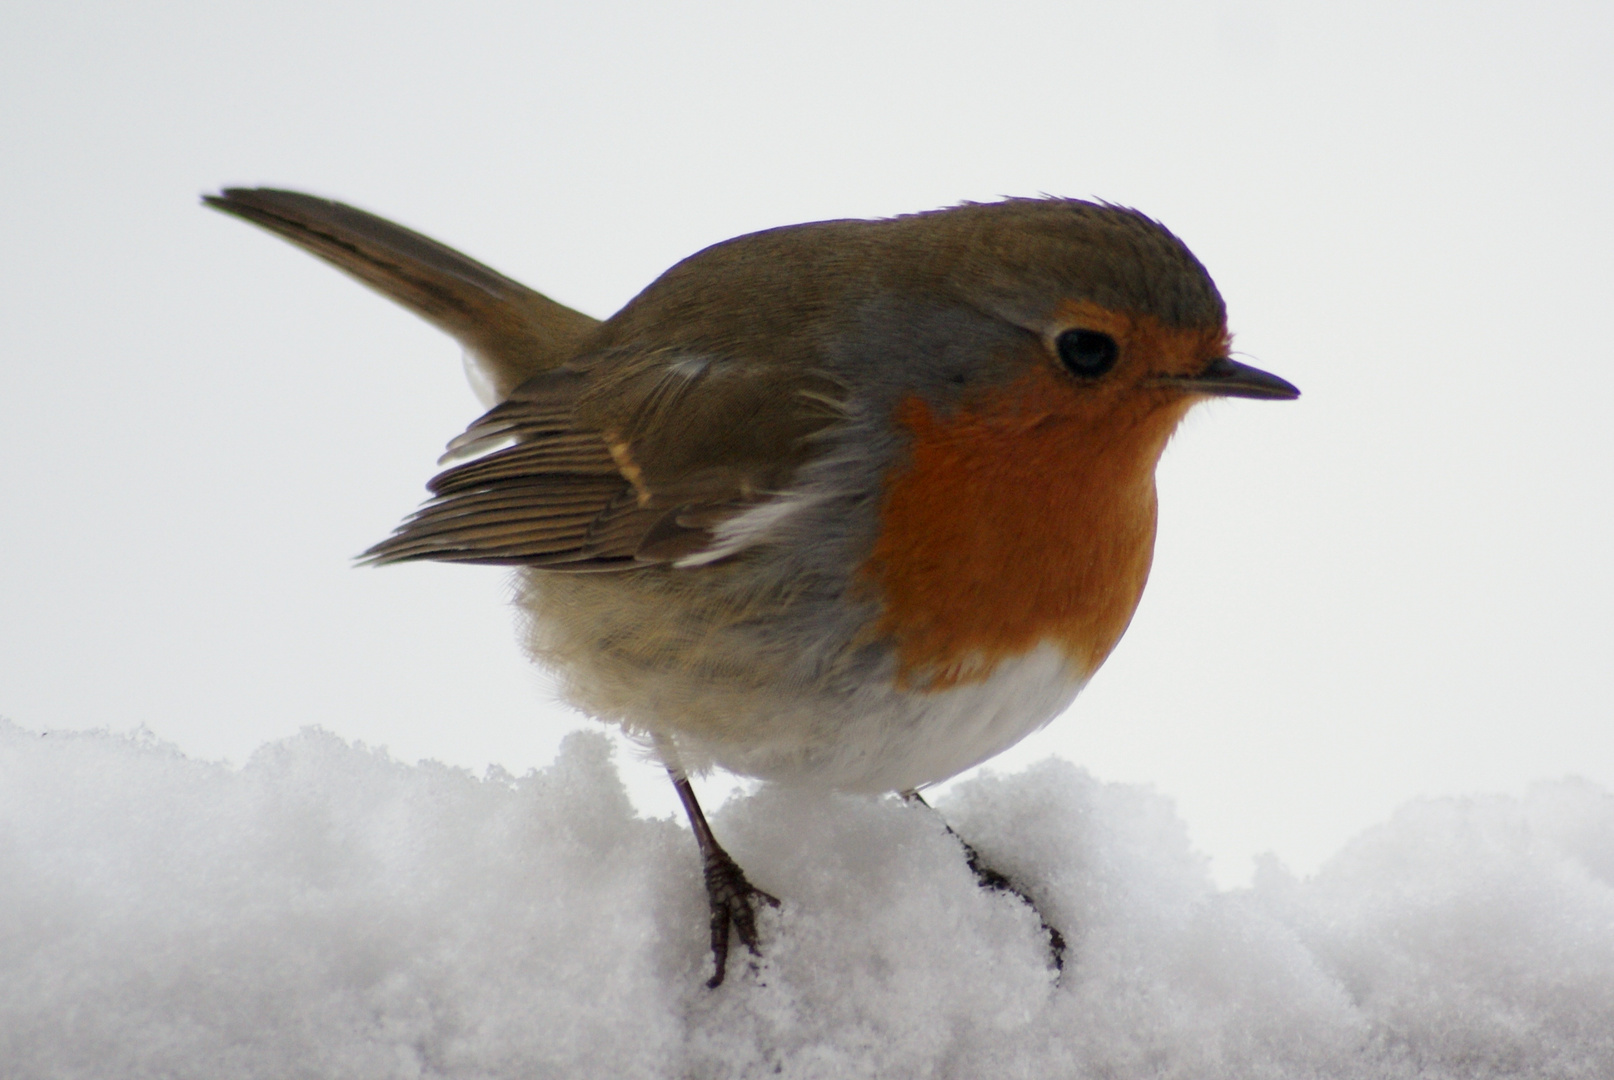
x=552, y=481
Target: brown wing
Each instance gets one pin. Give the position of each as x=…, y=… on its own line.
x=598, y=461
x=613, y=462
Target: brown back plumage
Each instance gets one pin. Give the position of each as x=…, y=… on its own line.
x=635, y=441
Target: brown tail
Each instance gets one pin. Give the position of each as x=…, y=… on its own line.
x=513, y=332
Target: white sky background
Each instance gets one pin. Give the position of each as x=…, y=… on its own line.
x=1398, y=586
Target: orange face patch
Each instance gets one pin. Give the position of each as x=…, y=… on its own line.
x=1026, y=516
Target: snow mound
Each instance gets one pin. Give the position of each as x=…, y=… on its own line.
x=327, y=911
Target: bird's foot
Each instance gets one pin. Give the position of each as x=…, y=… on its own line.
x=732, y=899
x=995, y=881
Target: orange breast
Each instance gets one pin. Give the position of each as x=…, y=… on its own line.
x=1023, y=517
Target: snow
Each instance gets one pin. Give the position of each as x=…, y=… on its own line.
x=328, y=911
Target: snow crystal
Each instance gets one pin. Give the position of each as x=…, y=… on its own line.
x=327, y=911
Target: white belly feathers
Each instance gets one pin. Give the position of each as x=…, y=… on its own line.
x=883, y=738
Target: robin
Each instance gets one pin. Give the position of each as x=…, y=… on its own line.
x=850, y=504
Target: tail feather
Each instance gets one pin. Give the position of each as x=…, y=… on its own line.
x=511, y=331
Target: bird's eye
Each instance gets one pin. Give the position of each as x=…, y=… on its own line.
x=1087, y=353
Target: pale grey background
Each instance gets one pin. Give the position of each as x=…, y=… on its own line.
x=1398, y=586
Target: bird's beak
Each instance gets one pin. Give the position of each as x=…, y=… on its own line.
x=1229, y=378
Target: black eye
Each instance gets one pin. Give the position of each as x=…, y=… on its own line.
x=1087, y=353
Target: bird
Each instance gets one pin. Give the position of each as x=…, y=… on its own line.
x=849, y=505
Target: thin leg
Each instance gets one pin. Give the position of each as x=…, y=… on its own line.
x=988, y=878
x=730, y=895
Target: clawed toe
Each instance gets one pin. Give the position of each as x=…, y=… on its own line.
x=991, y=879
x=988, y=878
x=732, y=899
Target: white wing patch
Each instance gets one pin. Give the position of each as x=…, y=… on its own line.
x=751, y=527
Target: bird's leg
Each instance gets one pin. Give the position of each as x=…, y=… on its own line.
x=988, y=878
x=730, y=895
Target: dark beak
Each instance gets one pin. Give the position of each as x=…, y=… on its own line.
x=1229, y=378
